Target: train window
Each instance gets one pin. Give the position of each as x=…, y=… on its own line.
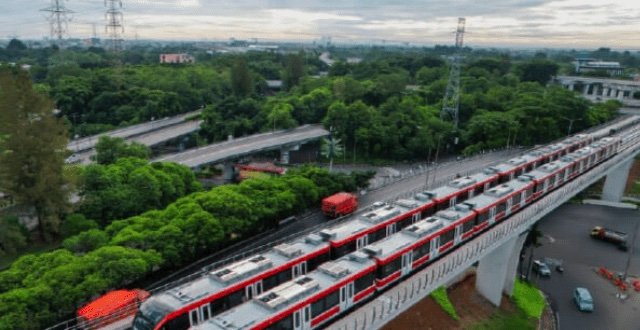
x=306, y=314
x=552, y=180
x=217, y=307
x=332, y=299
x=317, y=308
x=539, y=187
x=270, y=282
x=378, y=235
x=344, y=250
x=446, y=237
x=314, y=262
x=529, y=192
x=482, y=217
x=421, y=251
x=404, y=223
x=236, y=298
x=467, y=226
x=364, y=282
x=516, y=198
x=179, y=323
x=296, y=322
x=284, y=276
x=284, y=324
x=389, y=268
x=501, y=207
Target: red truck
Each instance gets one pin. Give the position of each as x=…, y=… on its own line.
x=339, y=204
x=615, y=237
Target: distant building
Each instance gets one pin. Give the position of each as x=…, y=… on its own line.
x=176, y=58
x=591, y=64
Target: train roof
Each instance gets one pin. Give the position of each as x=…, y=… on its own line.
x=490, y=196
x=221, y=278
x=390, y=245
x=382, y=213
x=457, y=184
x=269, y=303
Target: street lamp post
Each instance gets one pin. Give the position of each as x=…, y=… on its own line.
x=435, y=170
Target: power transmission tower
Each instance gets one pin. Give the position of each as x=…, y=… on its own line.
x=58, y=19
x=115, y=25
x=451, y=100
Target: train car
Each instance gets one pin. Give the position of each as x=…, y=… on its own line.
x=499, y=202
x=415, y=245
x=461, y=189
x=218, y=290
x=306, y=302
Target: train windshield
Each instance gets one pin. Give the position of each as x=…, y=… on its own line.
x=149, y=315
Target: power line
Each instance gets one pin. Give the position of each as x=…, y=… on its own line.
x=115, y=25
x=58, y=19
x=450, y=103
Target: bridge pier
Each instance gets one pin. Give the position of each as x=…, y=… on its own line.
x=497, y=270
x=284, y=153
x=228, y=172
x=616, y=181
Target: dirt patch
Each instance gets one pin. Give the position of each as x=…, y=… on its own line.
x=469, y=304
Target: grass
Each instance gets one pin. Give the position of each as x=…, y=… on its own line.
x=440, y=296
x=529, y=299
x=507, y=321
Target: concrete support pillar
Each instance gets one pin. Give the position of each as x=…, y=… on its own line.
x=512, y=266
x=615, y=182
x=605, y=92
x=492, y=271
x=586, y=89
x=228, y=172
x=284, y=153
x=571, y=86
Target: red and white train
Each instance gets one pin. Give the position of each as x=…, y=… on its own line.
x=314, y=299
x=194, y=302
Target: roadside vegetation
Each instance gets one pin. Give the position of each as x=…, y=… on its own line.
x=528, y=298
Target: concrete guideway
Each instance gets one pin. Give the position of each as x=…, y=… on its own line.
x=89, y=142
x=236, y=148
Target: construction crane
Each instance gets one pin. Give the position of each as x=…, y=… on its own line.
x=450, y=103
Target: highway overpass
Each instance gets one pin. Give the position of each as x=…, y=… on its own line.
x=284, y=140
x=149, y=133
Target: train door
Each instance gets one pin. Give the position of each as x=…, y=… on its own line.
x=415, y=217
x=302, y=319
x=566, y=173
x=391, y=229
x=457, y=237
x=434, y=248
x=452, y=201
x=407, y=263
x=545, y=186
x=299, y=269
x=362, y=242
x=205, y=312
x=507, y=211
x=492, y=215
x=346, y=296
x=523, y=198
x=255, y=289
x=581, y=167
x=471, y=193
x=194, y=317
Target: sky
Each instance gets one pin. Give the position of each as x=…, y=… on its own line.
x=580, y=24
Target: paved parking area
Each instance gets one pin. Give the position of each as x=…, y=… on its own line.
x=566, y=237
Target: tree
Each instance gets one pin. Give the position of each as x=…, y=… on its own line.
x=76, y=223
x=241, y=81
x=280, y=116
x=294, y=70
x=539, y=70
x=32, y=168
x=12, y=235
x=109, y=149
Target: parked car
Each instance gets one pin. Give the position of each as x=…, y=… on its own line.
x=583, y=299
x=541, y=268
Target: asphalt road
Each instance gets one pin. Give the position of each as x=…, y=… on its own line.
x=566, y=237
